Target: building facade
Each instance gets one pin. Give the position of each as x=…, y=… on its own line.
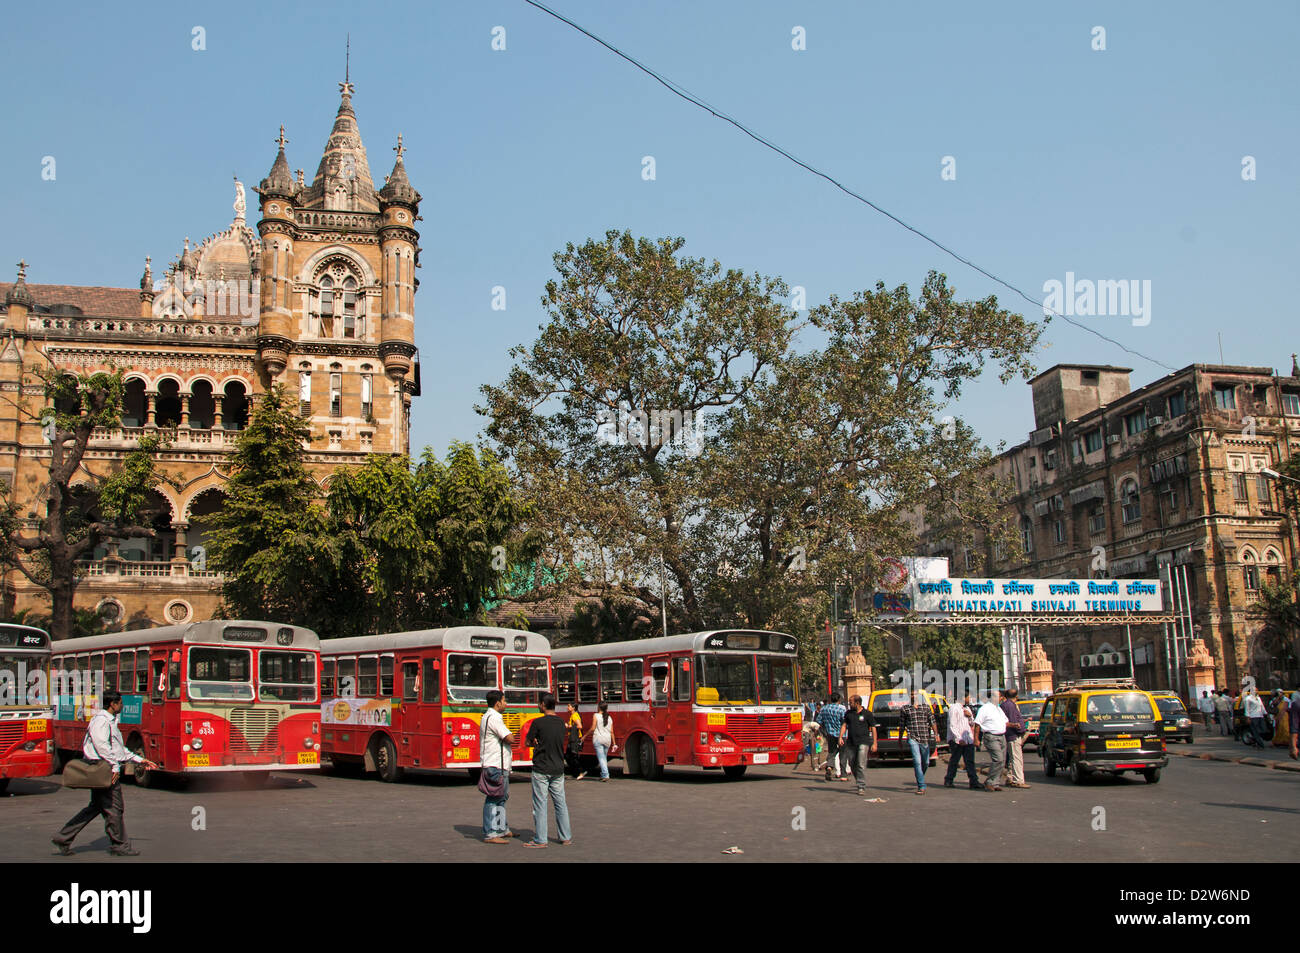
x=1162, y=482
x=318, y=295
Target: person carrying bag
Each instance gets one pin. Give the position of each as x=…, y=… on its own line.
x=100, y=771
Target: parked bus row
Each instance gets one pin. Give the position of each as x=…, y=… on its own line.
x=254, y=697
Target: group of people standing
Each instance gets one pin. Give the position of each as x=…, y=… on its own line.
x=846, y=737
x=1283, y=712
x=557, y=744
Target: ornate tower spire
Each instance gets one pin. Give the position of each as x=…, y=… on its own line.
x=343, y=181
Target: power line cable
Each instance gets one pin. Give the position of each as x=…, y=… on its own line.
x=681, y=91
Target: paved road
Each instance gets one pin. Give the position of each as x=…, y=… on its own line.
x=1200, y=808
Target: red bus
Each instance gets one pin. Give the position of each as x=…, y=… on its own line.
x=415, y=699
x=26, y=745
x=723, y=699
x=205, y=697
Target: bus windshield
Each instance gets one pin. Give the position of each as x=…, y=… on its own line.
x=525, y=680
x=17, y=687
x=225, y=674
x=724, y=680
x=471, y=677
x=286, y=676
x=776, y=680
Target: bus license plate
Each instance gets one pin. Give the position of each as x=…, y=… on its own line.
x=762, y=758
x=717, y=719
x=892, y=733
x=197, y=761
x=1114, y=745
x=38, y=726
x=308, y=757
x=460, y=754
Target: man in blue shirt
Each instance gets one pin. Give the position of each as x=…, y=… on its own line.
x=831, y=718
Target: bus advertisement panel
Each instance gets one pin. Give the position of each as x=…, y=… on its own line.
x=716, y=700
x=215, y=696
x=415, y=700
x=26, y=745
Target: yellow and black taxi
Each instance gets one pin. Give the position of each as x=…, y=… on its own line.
x=1102, y=726
x=1177, y=721
x=1031, y=709
x=891, y=741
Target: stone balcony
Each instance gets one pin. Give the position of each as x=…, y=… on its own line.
x=180, y=438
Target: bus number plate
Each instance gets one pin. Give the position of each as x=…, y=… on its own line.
x=197, y=761
x=308, y=757
x=762, y=758
x=460, y=754
x=1113, y=745
x=38, y=726
x=718, y=719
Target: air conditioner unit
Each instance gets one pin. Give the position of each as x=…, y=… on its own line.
x=1087, y=661
x=1113, y=439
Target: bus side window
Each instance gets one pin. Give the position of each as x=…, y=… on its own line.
x=142, y=672
x=410, y=680
x=659, y=682
x=611, y=681
x=566, y=690
x=432, y=680
x=327, y=678
x=174, y=676
x=347, y=678
x=385, y=676
x=158, y=682
x=126, y=673
x=632, y=675
x=682, y=683
x=367, y=677
x=587, y=689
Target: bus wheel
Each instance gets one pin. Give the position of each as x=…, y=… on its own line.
x=143, y=778
x=649, y=766
x=58, y=761
x=734, y=770
x=385, y=756
x=4, y=785
x=632, y=757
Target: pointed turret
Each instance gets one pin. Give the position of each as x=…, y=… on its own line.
x=398, y=190
x=20, y=295
x=278, y=181
x=343, y=181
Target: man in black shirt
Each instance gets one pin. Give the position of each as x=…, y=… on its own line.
x=546, y=736
x=857, y=737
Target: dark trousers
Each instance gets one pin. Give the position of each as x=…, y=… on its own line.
x=958, y=753
x=106, y=801
x=832, y=756
x=572, y=763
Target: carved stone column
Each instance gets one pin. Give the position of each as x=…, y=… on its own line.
x=218, y=402
x=185, y=411
x=180, y=546
x=151, y=408
x=1200, y=672
x=1038, y=671
x=858, y=679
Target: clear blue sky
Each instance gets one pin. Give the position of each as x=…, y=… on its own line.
x=1121, y=164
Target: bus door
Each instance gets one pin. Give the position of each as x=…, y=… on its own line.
x=681, y=716
x=155, y=722
x=660, y=670
x=410, y=743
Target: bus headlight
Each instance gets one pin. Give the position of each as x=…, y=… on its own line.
x=29, y=746
x=307, y=743
x=197, y=744
x=719, y=739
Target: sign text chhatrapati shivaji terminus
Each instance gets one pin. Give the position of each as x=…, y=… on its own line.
x=1046, y=597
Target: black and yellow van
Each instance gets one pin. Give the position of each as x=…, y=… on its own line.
x=1102, y=725
x=1177, y=721
x=891, y=742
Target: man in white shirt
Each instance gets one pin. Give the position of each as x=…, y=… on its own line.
x=1257, y=715
x=104, y=743
x=1205, y=705
x=992, y=724
x=495, y=741
x=961, y=744
x=1223, y=711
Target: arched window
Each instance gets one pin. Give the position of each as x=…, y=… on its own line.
x=1249, y=570
x=349, y=307
x=304, y=389
x=1272, y=567
x=325, y=307
x=1130, y=502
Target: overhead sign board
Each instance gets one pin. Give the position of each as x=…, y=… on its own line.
x=1057, y=598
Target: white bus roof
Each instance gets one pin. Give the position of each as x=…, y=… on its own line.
x=693, y=641
x=211, y=632
x=466, y=637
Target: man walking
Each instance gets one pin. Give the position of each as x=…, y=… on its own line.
x=991, y=721
x=917, y=719
x=1205, y=705
x=961, y=744
x=1015, y=738
x=831, y=719
x=104, y=743
x=858, y=739
x=1256, y=714
x=546, y=736
x=1223, y=709
x=495, y=741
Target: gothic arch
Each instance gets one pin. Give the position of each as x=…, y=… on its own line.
x=308, y=272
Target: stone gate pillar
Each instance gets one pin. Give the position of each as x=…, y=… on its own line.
x=857, y=674
x=1200, y=672
x=1038, y=670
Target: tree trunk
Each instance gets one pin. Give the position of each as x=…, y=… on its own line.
x=61, y=596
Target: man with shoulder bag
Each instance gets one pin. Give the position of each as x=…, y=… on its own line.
x=495, y=741
x=103, y=746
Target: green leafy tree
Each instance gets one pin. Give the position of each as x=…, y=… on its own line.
x=808, y=460
x=1278, y=606
x=76, y=510
x=954, y=648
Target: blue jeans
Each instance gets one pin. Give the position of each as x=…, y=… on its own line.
x=920, y=760
x=551, y=785
x=494, y=808
x=602, y=755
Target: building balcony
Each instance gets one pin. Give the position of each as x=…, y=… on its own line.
x=179, y=438
x=118, y=569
